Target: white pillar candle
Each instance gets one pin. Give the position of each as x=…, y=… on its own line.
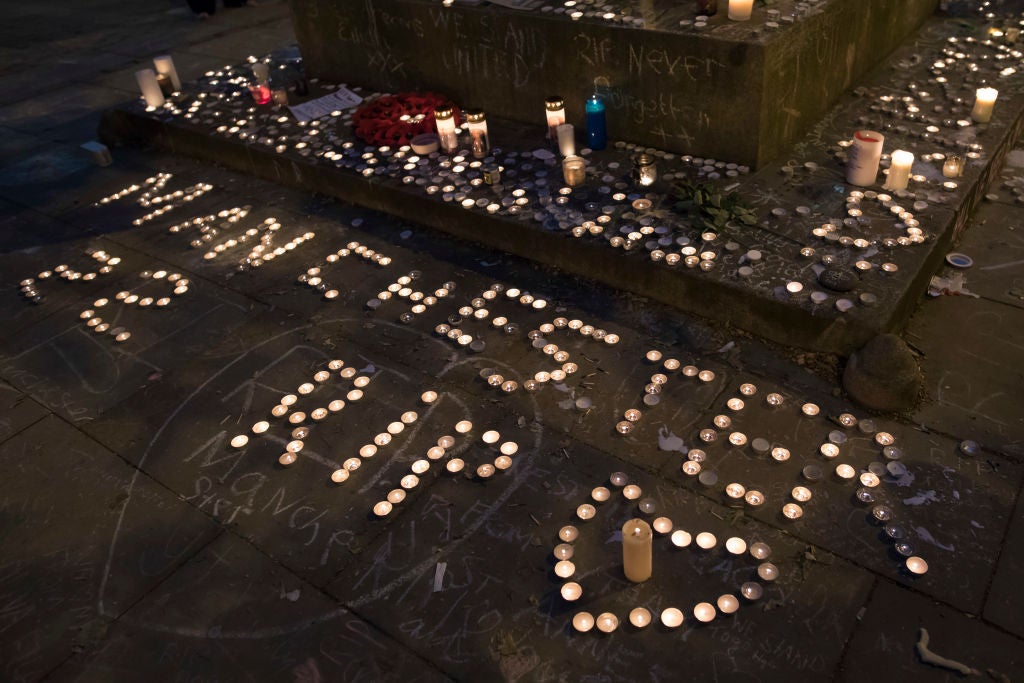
x=165, y=65
x=636, y=550
x=740, y=10
x=983, y=104
x=146, y=78
x=566, y=140
x=899, y=170
x=863, y=156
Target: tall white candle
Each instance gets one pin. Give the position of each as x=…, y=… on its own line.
x=146, y=78
x=740, y=10
x=444, y=119
x=899, y=170
x=863, y=157
x=165, y=66
x=637, y=542
x=566, y=140
x=983, y=104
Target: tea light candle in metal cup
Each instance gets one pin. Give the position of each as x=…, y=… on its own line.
x=916, y=565
x=671, y=617
x=640, y=617
x=571, y=591
x=607, y=622
x=728, y=603
x=583, y=621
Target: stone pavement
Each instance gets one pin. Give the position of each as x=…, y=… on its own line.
x=139, y=543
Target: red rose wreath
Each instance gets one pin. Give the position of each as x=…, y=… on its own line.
x=380, y=122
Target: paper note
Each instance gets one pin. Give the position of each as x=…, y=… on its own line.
x=339, y=100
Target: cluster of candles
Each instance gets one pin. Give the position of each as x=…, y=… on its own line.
x=179, y=286
x=657, y=384
x=313, y=275
x=170, y=201
x=638, y=561
x=29, y=287
x=205, y=224
x=301, y=423
x=490, y=439
x=263, y=249
x=737, y=494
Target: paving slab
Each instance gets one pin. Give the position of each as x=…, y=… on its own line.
x=952, y=509
x=440, y=580
x=73, y=556
x=972, y=360
x=17, y=411
x=254, y=621
x=883, y=646
x=96, y=370
x=184, y=440
x=68, y=106
x=1005, y=604
x=995, y=242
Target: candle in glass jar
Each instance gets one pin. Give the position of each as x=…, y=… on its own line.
x=597, y=132
x=164, y=66
x=636, y=550
x=740, y=10
x=574, y=170
x=444, y=119
x=985, y=100
x=476, y=124
x=150, y=87
x=566, y=139
x=899, y=170
x=554, y=107
x=953, y=167
x=863, y=157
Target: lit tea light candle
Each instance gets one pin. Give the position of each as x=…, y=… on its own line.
x=899, y=170
x=428, y=397
x=801, y=494
x=586, y=511
x=845, y=472
x=984, y=103
x=568, y=533
x=632, y=492
x=583, y=621
x=752, y=590
x=636, y=550
x=704, y=612
x=239, y=441
x=736, y=545
x=728, y=604
x=490, y=436
x=792, y=511
x=681, y=539
x=640, y=617
x=286, y=459
x=754, y=498
x=509, y=448
x=767, y=571
x=339, y=476
x=600, y=494
x=662, y=525
x=706, y=540
x=571, y=591
x=564, y=569
x=463, y=426
x=455, y=465
x=671, y=617
x=916, y=565
x=607, y=622
x=735, y=491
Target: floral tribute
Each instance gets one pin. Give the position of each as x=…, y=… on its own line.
x=396, y=119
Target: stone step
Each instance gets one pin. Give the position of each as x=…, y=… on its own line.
x=740, y=90
x=848, y=284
